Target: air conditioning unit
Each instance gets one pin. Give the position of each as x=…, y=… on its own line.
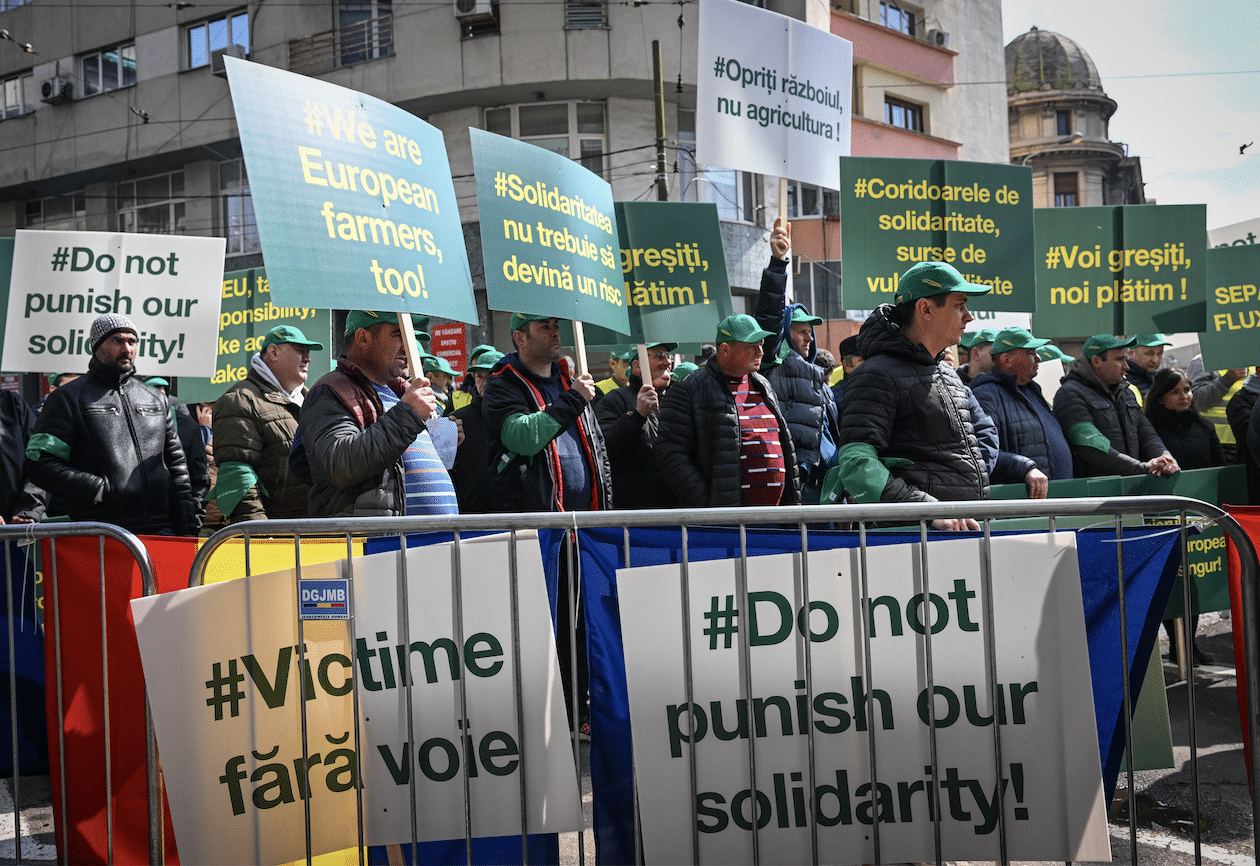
x=217, y=66
x=54, y=90
x=939, y=38
x=473, y=10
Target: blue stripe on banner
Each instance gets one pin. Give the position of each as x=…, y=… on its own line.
x=1150, y=569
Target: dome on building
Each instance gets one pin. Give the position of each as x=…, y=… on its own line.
x=1041, y=60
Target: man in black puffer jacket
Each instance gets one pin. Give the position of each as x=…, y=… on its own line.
x=804, y=394
x=911, y=430
x=723, y=440
x=631, y=420
x=106, y=443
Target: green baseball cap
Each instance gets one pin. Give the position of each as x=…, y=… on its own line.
x=682, y=371
x=480, y=350
x=929, y=279
x=633, y=351
x=434, y=363
x=356, y=319
x=288, y=334
x=157, y=382
x=519, y=320
x=1151, y=340
x=486, y=360
x=1100, y=343
x=1051, y=352
x=739, y=328
x=800, y=314
x=1015, y=338
x=984, y=335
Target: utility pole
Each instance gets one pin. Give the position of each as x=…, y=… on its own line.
x=658, y=85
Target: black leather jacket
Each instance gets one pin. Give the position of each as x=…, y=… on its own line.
x=108, y=433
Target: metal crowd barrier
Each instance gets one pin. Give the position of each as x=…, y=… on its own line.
x=29, y=534
x=861, y=518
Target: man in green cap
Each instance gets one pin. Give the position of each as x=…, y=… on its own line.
x=1145, y=356
x=911, y=431
x=363, y=434
x=467, y=387
x=630, y=419
x=619, y=366
x=801, y=386
x=723, y=439
x=440, y=375
x=1033, y=447
x=979, y=354
x=254, y=426
x=1106, y=429
x=474, y=485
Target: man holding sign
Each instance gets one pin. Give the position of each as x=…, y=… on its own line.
x=106, y=443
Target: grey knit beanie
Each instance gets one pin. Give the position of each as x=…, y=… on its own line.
x=110, y=323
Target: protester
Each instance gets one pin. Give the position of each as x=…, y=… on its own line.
x=440, y=375
x=547, y=453
x=619, y=365
x=683, y=370
x=1145, y=357
x=254, y=426
x=979, y=357
x=850, y=360
x=189, y=432
x=910, y=430
x=467, y=387
x=630, y=420
x=803, y=391
x=1239, y=412
x=362, y=431
x=1213, y=390
x=1101, y=419
x=1033, y=447
x=1193, y=444
x=474, y=484
x=106, y=443
x=20, y=500
x=723, y=440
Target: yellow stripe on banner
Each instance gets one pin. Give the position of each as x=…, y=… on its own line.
x=273, y=554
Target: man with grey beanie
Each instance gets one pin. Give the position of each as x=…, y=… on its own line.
x=106, y=443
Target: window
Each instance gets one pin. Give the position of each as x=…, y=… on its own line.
x=1065, y=190
x=365, y=30
x=895, y=17
x=585, y=14
x=807, y=200
x=731, y=191
x=571, y=129
x=66, y=213
x=152, y=205
x=240, y=227
x=109, y=70
x=16, y=90
x=6, y=5
x=1063, y=122
x=906, y=115
x=209, y=36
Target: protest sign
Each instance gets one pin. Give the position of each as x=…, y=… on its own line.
x=246, y=314
x=674, y=269
x=548, y=234
x=354, y=198
x=773, y=94
x=974, y=216
x=225, y=678
x=1052, y=794
x=168, y=285
x=1233, y=317
x=449, y=342
x=1134, y=269
x=6, y=269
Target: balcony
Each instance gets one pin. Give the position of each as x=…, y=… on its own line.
x=894, y=51
x=370, y=39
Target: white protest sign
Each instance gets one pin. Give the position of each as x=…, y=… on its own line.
x=221, y=666
x=773, y=94
x=1054, y=806
x=168, y=285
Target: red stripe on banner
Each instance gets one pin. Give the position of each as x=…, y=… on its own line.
x=79, y=587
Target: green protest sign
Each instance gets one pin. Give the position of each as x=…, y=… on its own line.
x=6, y=270
x=1120, y=270
x=247, y=312
x=975, y=216
x=674, y=269
x=548, y=234
x=354, y=199
x=1233, y=308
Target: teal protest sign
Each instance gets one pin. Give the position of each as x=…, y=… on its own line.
x=674, y=269
x=246, y=313
x=1133, y=269
x=548, y=234
x=1233, y=308
x=976, y=216
x=354, y=199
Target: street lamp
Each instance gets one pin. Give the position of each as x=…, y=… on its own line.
x=1067, y=139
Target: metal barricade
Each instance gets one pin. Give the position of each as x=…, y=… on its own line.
x=30, y=534
x=861, y=518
